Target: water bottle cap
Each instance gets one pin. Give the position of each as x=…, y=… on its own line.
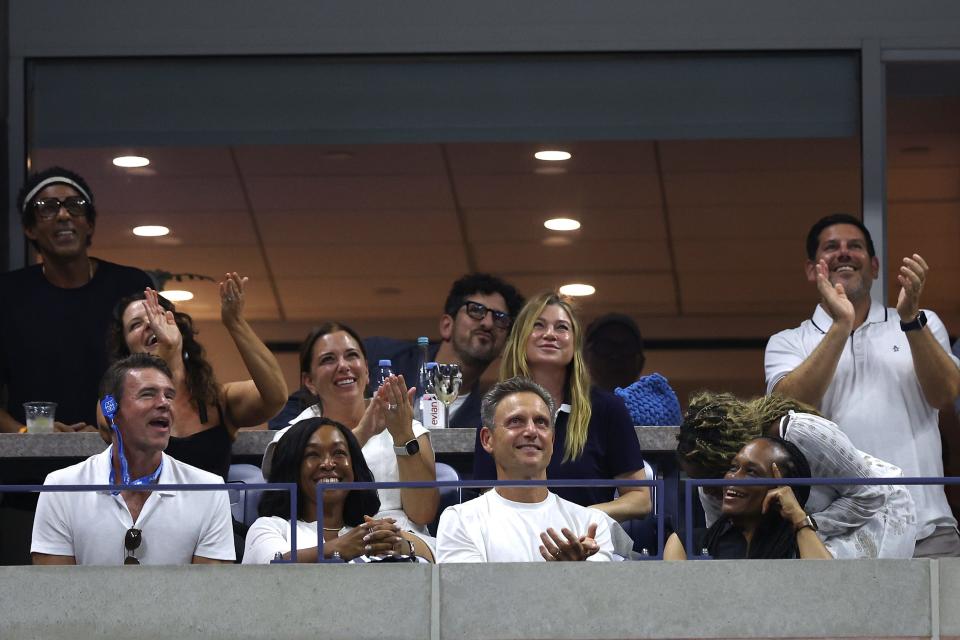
x=431, y=365
x=422, y=340
x=384, y=363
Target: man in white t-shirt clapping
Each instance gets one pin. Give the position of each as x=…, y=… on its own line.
x=521, y=524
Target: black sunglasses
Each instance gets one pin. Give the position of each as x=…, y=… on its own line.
x=132, y=542
x=479, y=311
x=48, y=208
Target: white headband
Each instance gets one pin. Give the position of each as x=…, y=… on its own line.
x=54, y=180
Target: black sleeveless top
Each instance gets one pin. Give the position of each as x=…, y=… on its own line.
x=208, y=449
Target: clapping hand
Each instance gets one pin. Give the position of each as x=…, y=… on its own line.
x=397, y=401
x=833, y=298
x=912, y=275
x=569, y=547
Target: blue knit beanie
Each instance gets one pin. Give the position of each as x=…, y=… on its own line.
x=651, y=402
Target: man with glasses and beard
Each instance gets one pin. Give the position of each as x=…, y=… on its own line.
x=53, y=331
x=476, y=320
x=155, y=527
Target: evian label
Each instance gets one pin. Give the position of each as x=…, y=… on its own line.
x=432, y=409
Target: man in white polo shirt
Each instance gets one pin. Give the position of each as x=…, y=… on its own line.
x=520, y=524
x=134, y=527
x=880, y=373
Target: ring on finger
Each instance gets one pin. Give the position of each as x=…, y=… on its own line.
x=391, y=406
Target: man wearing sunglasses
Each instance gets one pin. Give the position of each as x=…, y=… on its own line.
x=53, y=334
x=155, y=527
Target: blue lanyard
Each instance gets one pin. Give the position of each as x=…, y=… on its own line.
x=109, y=408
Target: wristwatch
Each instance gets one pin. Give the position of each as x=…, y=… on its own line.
x=411, y=448
x=808, y=522
x=917, y=323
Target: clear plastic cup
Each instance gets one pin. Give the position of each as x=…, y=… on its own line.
x=40, y=416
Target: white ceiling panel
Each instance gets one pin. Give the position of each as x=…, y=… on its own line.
x=632, y=293
x=558, y=192
x=369, y=261
x=491, y=225
x=763, y=155
x=316, y=193
x=762, y=187
x=208, y=261
x=230, y=228
x=331, y=298
x=581, y=257
x=587, y=157
x=176, y=195
x=783, y=226
x=96, y=163
x=738, y=257
x=408, y=227
x=340, y=160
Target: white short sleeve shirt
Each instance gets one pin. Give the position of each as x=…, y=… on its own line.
x=91, y=526
x=493, y=529
x=876, y=399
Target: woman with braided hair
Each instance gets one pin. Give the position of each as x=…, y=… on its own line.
x=854, y=521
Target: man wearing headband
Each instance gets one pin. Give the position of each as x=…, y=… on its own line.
x=53, y=334
x=157, y=527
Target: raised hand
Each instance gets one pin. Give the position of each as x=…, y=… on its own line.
x=163, y=325
x=783, y=498
x=372, y=423
x=834, y=298
x=569, y=547
x=912, y=276
x=232, y=297
x=397, y=400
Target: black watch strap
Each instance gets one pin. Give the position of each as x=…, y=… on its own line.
x=916, y=324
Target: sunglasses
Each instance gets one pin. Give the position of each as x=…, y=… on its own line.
x=479, y=311
x=49, y=208
x=132, y=542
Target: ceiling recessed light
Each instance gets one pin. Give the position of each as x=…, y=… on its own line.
x=577, y=290
x=552, y=155
x=151, y=230
x=562, y=224
x=128, y=162
x=177, y=295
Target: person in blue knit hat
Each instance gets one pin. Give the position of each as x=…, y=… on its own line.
x=613, y=349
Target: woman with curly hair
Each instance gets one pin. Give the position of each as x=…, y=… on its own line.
x=208, y=414
x=854, y=521
x=595, y=438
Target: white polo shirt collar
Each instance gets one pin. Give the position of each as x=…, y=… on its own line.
x=822, y=320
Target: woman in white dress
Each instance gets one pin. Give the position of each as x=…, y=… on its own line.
x=333, y=367
x=854, y=521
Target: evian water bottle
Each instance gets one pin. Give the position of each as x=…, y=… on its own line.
x=431, y=409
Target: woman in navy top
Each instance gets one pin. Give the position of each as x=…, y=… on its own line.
x=595, y=438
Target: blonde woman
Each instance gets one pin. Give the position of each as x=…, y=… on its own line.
x=595, y=438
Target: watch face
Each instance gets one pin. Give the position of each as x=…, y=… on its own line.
x=413, y=447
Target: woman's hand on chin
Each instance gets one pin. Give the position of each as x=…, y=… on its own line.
x=397, y=401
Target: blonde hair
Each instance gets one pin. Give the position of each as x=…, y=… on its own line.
x=513, y=363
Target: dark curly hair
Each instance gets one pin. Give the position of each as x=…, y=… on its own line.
x=286, y=464
x=201, y=381
x=486, y=284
